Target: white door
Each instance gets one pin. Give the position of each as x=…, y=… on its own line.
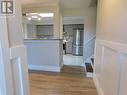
x=13, y=63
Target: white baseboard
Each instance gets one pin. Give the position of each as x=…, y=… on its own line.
x=45, y=68
x=89, y=75
x=99, y=90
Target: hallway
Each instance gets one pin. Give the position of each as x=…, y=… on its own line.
x=71, y=81
x=73, y=60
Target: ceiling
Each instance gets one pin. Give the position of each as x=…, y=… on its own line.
x=65, y=3
x=36, y=1
x=75, y=3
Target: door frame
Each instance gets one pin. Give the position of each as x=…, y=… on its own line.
x=11, y=81
x=5, y=67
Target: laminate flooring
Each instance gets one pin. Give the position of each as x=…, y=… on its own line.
x=70, y=81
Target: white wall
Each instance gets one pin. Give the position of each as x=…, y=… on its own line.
x=15, y=27
x=112, y=20
x=111, y=48
x=73, y=20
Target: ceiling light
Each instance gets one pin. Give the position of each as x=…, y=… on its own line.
x=34, y=16
x=46, y=14
x=29, y=18
x=39, y=19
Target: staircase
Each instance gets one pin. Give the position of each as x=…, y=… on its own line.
x=89, y=68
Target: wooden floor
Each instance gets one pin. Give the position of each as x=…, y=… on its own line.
x=71, y=81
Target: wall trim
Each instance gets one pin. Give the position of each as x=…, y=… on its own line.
x=113, y=45
x=119, y=48
x=19, y=53
x=45, y=68
x=96, y=82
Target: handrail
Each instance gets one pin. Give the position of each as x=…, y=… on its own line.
x=94, y=37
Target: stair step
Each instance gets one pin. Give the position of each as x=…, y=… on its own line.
x=89, y=67
x=89, y=70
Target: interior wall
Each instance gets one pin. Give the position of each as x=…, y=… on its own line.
x=74, y=12
x=90, y=33
x=111, y=48
x=15, y=26
x=112, y=20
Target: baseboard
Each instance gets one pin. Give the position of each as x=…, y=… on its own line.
x=99, y=90
x=45, y=68
x=89, y=75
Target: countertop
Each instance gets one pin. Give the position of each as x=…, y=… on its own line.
x=41, y=39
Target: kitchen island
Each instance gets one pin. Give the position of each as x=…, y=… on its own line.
x=44, y=54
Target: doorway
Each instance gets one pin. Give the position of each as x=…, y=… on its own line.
x=73, y=35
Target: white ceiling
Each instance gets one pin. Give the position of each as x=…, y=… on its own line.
x=63, y=3
x=75, y=3
x=24, y=2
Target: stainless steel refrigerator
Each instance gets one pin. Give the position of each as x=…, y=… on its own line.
x=78, y=41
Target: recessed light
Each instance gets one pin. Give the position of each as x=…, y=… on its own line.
x=46, y=14
x=39, y=19
x=29, y=18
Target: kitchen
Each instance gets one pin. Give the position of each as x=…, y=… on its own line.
x=42, y=45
